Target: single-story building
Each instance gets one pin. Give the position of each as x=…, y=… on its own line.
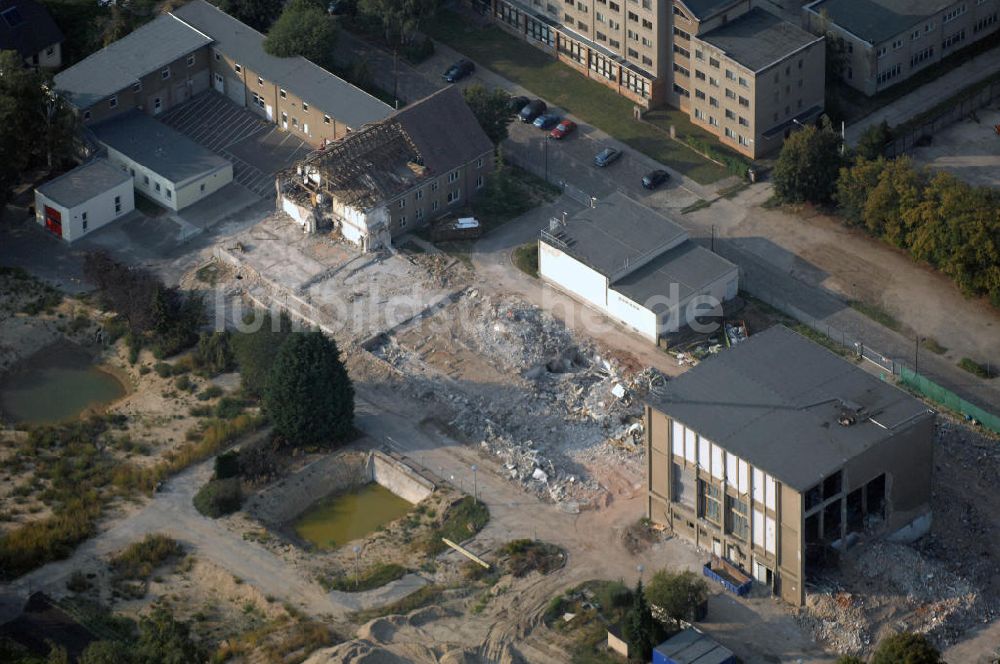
x=85, y=199
x=165, y=165
x=689, y=646
x=634, y=265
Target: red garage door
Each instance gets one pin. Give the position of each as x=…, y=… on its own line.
x=53, y=221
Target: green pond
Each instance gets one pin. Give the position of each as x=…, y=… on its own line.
x=55, y=384
x=338, y=519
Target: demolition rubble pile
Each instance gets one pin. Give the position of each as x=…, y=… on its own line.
x=560, y=403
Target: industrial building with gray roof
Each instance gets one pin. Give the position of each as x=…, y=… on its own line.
x=758, y=39
x=878, y=20
x=83, y=183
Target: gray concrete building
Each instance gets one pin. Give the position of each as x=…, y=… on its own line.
x=777, y=454
x=884, y=42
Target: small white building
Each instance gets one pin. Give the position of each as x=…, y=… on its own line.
x=165, y=165
x=636, y=266
x=86, y=198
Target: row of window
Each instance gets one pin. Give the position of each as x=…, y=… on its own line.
x=453, y=196
x=953, y=40
x=889, y=74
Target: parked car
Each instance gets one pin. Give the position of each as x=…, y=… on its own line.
x=654, y=179
x=606, y=157
x=532, y=110
x=458, y=71
x=563, y=129
x=517, y=103
x=546, y=120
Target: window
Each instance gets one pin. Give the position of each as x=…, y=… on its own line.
x=743, y=82
x=434, y=205
x=282, y=94
x=165, y=73
x=113, y=102
x=132, y=172
x=953, y=14
x=699, y=55
x=479, y=163
x=647, y=42
x=218, y=56
x=305, y=107
x=420, y=214
x=730, y=115
x=145, y=179
x=915, y=35
x=744, y=122
x=434, y=186
x=479, y=182
x=614, y=6
x=713, y=62
x=954, y=39
x=730, y=94
x=260, y=81
x=614, y=43
x=86, y=115
x=700, y=75
x=985, y=22
x=453, y=196
x=711, y=502
x=923, y=55
x=295, y=122
x=713, y=81
x=190, y=60
x=712, y=121
x=730, y=133
x=157, y=187
x=402, y=203
x=713, y=102
x=730, y=74
x=681, y=70
x=600, y=17
x=453, y=176
x=647, y=24
x=881, y=51
x=743, y=140
x=402, y=221
x=418, y=195
x=170, y=194
x=897, y=44
x=118, y=204
x=677, y=31
x=137, y=86
x=237, y=67
x=201, y=187
x=737, y=517
x=699, y=94
x=698, y=114
x=681, y=91
x=744, y=102
x=326, y=119
x=633, y=17
x=683, y=52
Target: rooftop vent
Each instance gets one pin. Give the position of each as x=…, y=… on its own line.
x=847, y=418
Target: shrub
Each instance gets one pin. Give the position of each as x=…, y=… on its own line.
x=374, y=577
x=138, y=560
x=213, y=353
x=418, y=51
x=219, y=497
x=974, y=368
x=210, y=392
x=184, y=384
x=163, y=369
x=228, y=408
x=227, y=465
x=462, y=520
x=526, y=555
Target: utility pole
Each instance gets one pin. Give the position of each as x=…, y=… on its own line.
x=916, y=355
x=395, y=76
x=475, y=484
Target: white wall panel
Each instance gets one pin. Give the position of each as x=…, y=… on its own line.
x=677, y=435
x=744, y=483
x=718, y=465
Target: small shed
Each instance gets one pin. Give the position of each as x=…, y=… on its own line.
x=690, y=646
x=84, y=199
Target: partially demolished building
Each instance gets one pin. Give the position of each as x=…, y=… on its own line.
x=393, y=175
x=777, y=454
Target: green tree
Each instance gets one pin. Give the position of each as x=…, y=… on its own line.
x=808, y=165
x=639, y=628
x=871, y=143
x=906, y=648
x=303, y=28
x=107, y=652
x=854, y=186
x=898, y=190
x=258, y=14
x=309, y=395
x=164, y=640
x=254, y=350
x=678, y=595
x=492, y=110
x=399, y=18
x=57, y=654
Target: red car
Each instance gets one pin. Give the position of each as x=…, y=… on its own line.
x=563, y=129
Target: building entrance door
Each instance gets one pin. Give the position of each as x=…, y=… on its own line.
x=219, y=84
x=270, y=113
x=53, y=221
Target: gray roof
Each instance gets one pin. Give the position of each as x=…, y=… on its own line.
x=310, y=82
x=878, y=20
x=758, y=39
x=124, y=62
x=158, y=147
x=27, y=27
x=444, y=130
x=83, y=183
x=692, y=267
x=704, y=9
x=693, y=647
x=618, y=230
x=775, y=400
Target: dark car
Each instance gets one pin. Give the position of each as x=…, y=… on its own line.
x=532, y=110
x=546, y=120
x=606, y=157
x=654, y=179
x=458, y=71
x=563, y=129
x=517, y=103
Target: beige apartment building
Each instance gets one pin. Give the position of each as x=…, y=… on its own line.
x=885, y=42
x=740, y=72
x=777, y=456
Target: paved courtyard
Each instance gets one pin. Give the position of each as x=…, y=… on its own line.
x=257, y=148
x=968, y=149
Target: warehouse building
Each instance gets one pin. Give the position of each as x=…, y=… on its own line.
x=85, y=199
x=635, y=266
x=165, y=166
x=777, y=454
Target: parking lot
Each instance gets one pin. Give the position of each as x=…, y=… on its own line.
x=969, y=149
x=257, y=148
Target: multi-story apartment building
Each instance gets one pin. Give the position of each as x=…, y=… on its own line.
x=198, y=47
x=392, y=176
x=777, y=455
x=884, y=42
x=677, y=52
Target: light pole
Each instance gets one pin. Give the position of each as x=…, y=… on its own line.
x=475, y=483
x=357, y=565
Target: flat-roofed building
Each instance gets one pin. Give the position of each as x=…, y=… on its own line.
x=86, y=198
x=884, y=42
x=635, y=266
x=166, y=166
x=776, y=453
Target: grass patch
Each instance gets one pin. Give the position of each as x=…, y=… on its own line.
x=525, y=556
x=877, y=314
x=369, y=579
x=562, y=86
x=462, y=520
x=975, y=368
x=931, y=344
x=139, y=559
x=418, y=599
x=525, y=259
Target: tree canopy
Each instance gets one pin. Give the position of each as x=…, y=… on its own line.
x=871, y=143
x=399, y=18
x=303, y=28
x=808, y=165
x=677, y=595
x=906, y=648
x=641, y=631
x=254, y=350
x=309, y=395
x=492, y=110
x=258, y=14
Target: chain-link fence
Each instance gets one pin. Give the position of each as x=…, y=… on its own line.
x=907, y=139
